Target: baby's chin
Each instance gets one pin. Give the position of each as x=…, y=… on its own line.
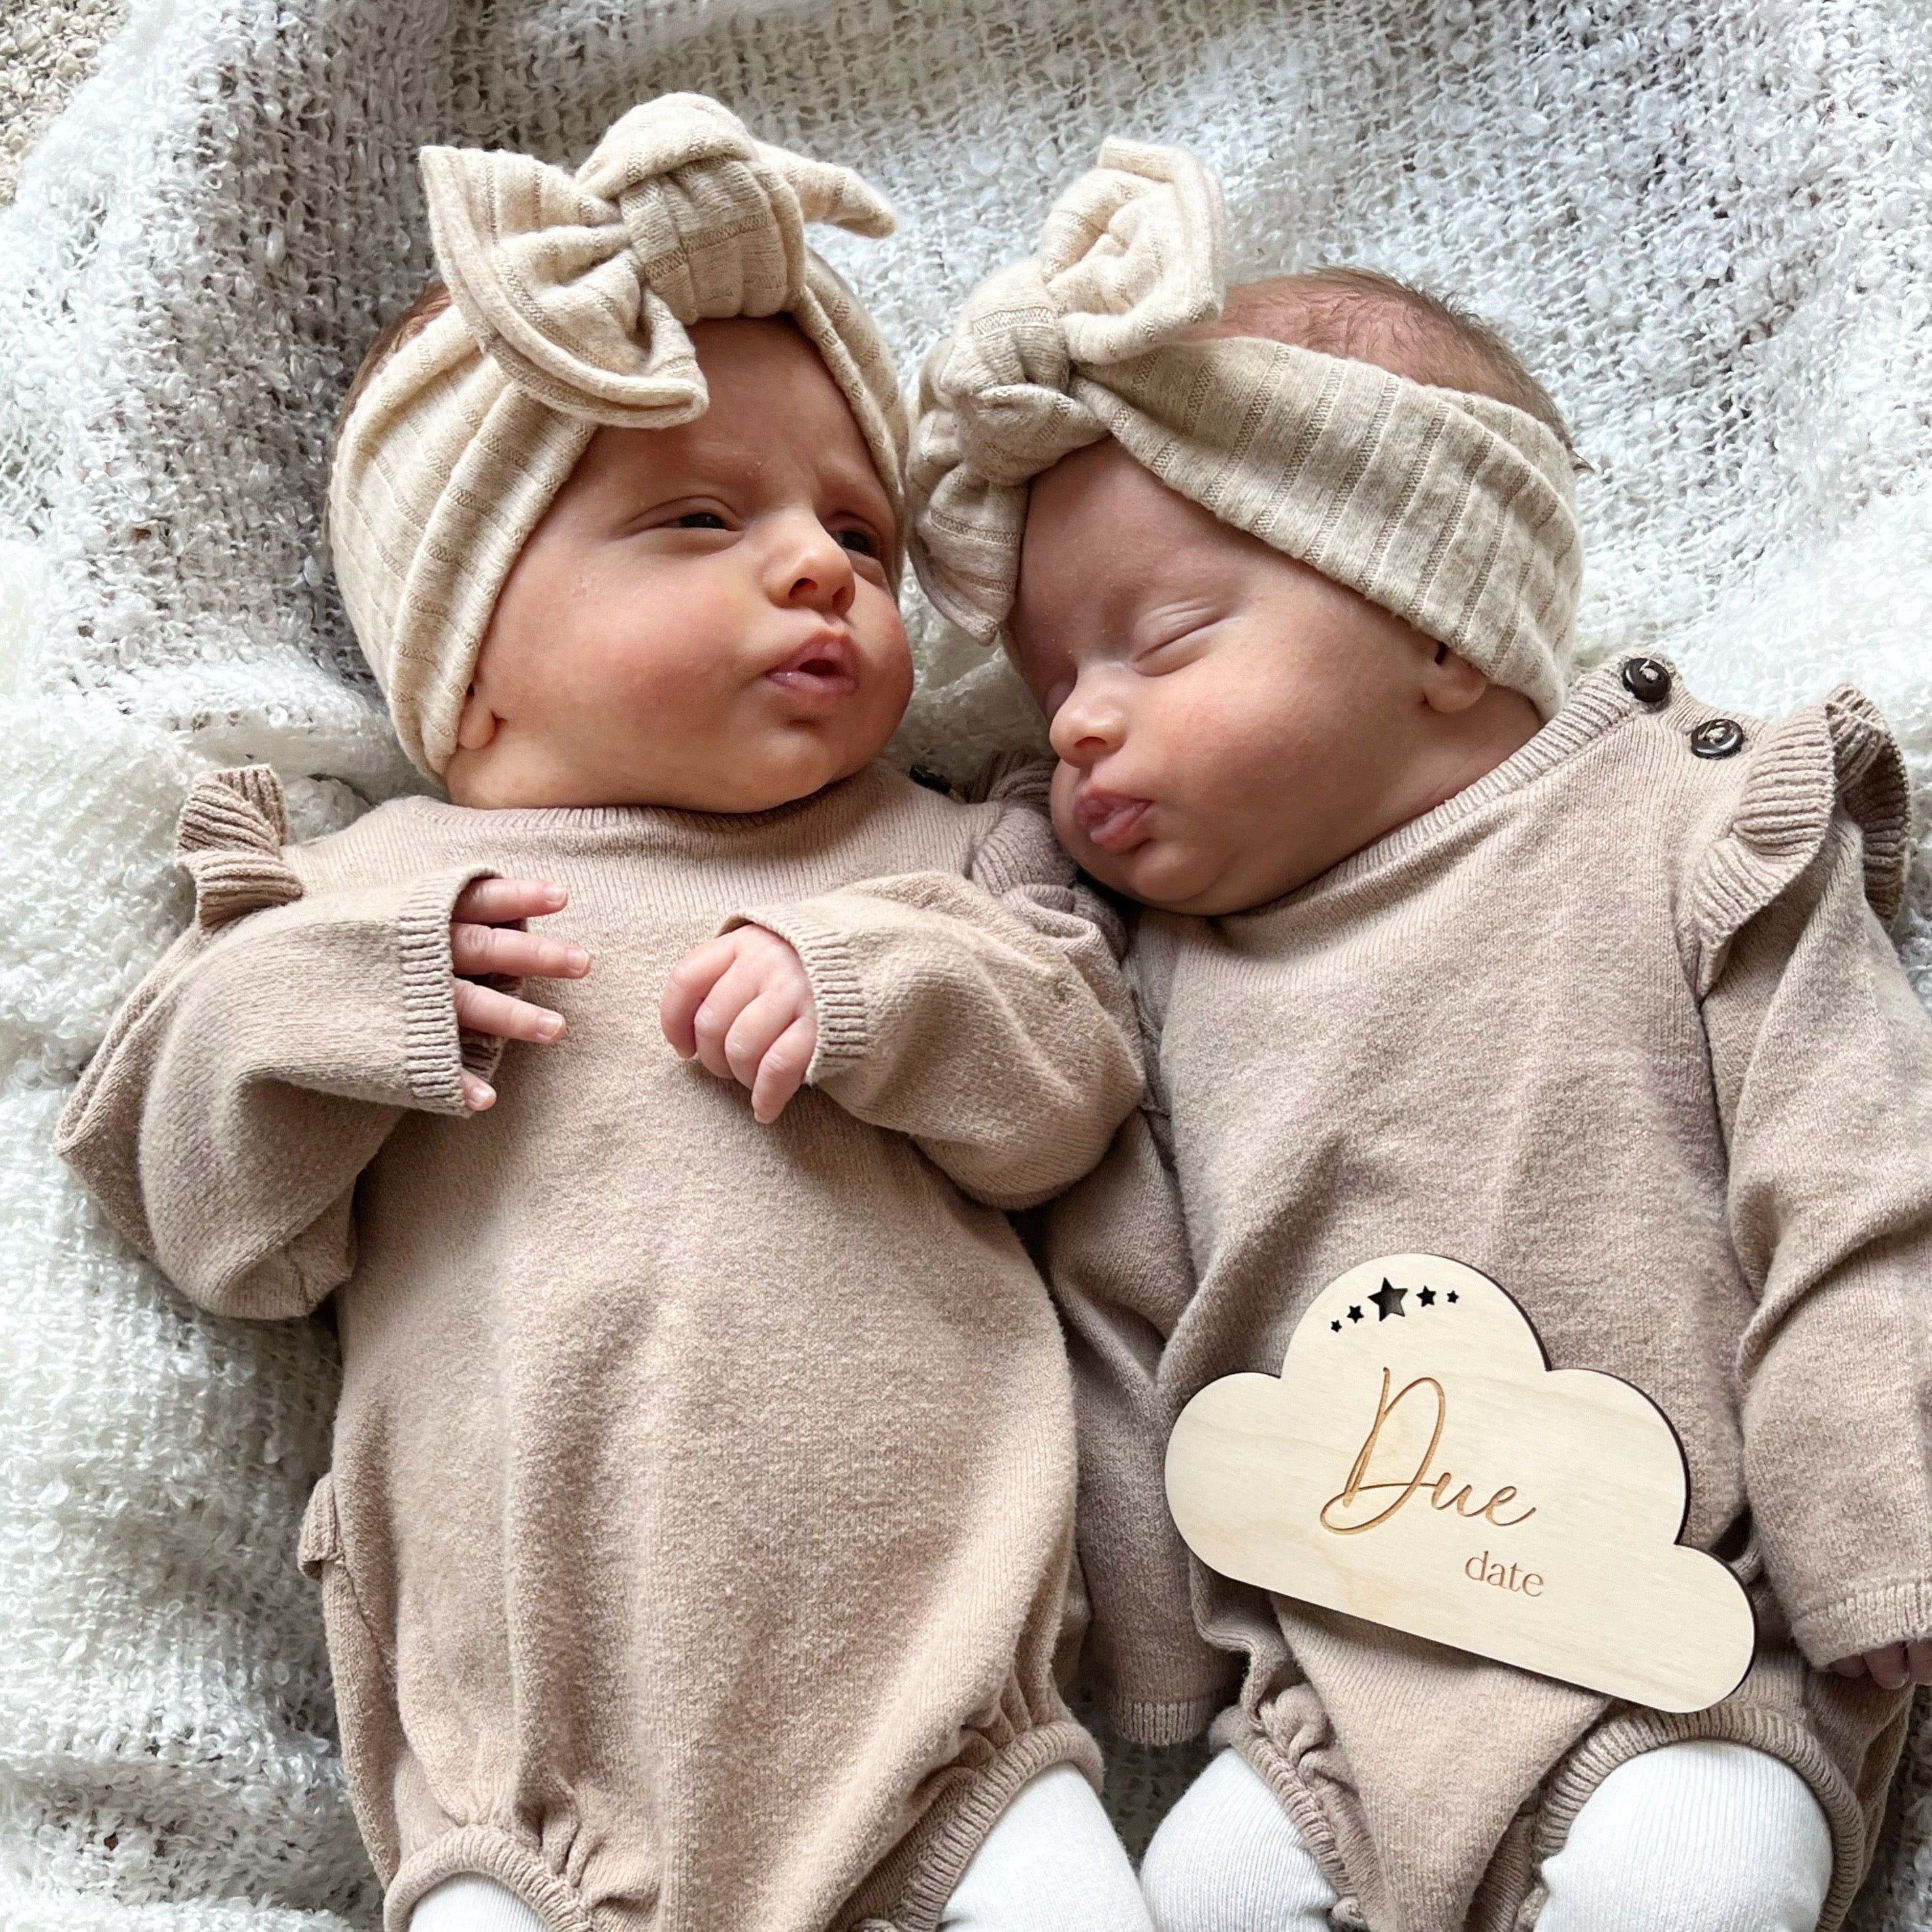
x=766, y=784
x=1164, y=873
x=743, y=779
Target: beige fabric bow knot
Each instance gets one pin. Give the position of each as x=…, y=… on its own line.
x=582, y=286
x=1455, y=512
x=572, y=297
x=1129, y=260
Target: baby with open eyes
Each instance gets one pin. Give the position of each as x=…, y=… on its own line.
x=1442, y=949
x=695, y=1549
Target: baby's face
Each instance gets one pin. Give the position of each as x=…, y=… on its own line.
x=703, y=618
x=1229, y=722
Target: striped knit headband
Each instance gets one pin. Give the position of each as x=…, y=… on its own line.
x=1455, y=512
x=571, y=296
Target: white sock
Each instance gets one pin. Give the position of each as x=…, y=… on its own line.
x=1228, y=1858
x=471, y=1903
x=1051, y=1863
x=1705, y=1837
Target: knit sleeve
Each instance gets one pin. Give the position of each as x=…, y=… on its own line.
x=984, y=1015
x=1114, y=1251
x=1823, y=1059
x=256, y=1070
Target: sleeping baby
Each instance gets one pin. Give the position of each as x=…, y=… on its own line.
x=1583, y=982
x=694, y=1551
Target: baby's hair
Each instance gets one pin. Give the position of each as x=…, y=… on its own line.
x=1373, y=318
x=397, y=334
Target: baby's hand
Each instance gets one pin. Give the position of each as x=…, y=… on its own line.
x=742, y=1005
x=482, y=945
x=1891, y=1667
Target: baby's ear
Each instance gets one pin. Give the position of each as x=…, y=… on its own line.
x=1450, y=684
x=476, y=724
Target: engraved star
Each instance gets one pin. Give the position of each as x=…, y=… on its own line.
x=1451, y=1296
x=1427, y=1297
x=1355, y=1315
x=1389, y=1300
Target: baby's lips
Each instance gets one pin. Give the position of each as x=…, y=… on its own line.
x=822, y=670
x=1113, y=820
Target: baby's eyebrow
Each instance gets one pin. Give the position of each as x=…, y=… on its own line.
x=822, y=473
x=861, y=480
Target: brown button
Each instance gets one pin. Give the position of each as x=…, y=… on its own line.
x=1646, y=680
x=1717, y=738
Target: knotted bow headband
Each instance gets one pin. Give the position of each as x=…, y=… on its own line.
x=571, y=297
x=1456, y=512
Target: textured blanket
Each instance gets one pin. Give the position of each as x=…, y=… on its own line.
x=1708, y=229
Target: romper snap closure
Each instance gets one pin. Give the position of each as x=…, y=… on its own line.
x=1646, y=680
x=1717, y=738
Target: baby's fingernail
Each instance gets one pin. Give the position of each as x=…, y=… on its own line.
x=481, y=1094
x=554, y=893
x=550, y=1026
x=577, y=959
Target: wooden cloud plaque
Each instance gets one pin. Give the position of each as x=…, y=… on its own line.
x=1418, y=1463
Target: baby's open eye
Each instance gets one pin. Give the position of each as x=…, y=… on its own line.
x=698, y=519
x=863, y=542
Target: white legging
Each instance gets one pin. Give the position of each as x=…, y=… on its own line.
x=1050, y=1864
x=1704, y=1836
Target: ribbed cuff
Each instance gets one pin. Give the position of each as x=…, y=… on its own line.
x=952, y=1835
x=1897, y=1610
x=492, y=1854
x=1161, y=1720
x=837, y=995
x=433, y=1053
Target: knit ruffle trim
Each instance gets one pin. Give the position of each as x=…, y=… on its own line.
x=229, y=841
x=1834, y=755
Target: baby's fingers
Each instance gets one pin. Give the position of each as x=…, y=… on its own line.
x=507, y=953
x=1888, y=1666
x=490, y=901
x=717, y=1017
x=484, y=1010
x=755, y=1030
x=691, y=981
x=782, y=1072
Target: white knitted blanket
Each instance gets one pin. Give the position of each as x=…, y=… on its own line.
x=1710, y=236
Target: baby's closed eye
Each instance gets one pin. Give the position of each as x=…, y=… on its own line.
x=1169, y=648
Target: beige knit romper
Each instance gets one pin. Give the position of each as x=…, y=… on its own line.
x=694, y=1552
x=1619, y=1026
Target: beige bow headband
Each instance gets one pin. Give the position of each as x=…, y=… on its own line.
x=1455, y=512
x=571, y=295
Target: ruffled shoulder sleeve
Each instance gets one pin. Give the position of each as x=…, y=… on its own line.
x=1832, y=757
x=229, y=840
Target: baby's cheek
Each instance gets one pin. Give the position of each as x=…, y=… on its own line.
x=883, y=645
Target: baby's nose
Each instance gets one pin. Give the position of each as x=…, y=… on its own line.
x=1082, y=731
x=827, y=590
